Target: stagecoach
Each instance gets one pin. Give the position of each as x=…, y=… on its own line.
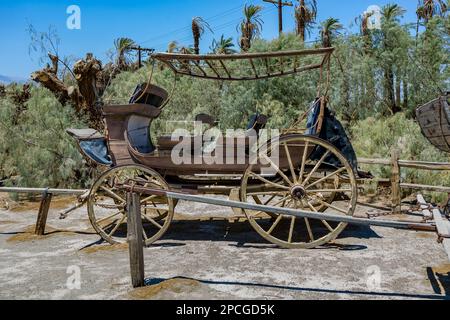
x=314, y=170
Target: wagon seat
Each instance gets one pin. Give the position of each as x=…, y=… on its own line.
x=129, y=125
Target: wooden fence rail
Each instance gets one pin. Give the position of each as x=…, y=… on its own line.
x=397, y=185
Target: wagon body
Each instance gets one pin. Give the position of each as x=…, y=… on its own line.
x=434, y=120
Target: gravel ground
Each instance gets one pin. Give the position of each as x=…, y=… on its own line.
x=215, y=259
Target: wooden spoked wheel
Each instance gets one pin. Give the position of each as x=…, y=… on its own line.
x=107, y=205
x=305, y=180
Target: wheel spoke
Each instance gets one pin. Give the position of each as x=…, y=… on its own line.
x=326, y=178
x=331, y=206
x=152, y=221
x=274, y=225
x=270, y=199
x=268, y=182
x=117, y=226
x=144, y=234
x=328, y=190
x=283, y=200
x=268, y=193
x=148, y=199
x=159, y=210
x=317, y=166
x=291, y=229
x=305, y=155
x=112, y=194
x=291, y=165
x=109, y=217
x=323, y=221
x=274, y=166
x=308, y=227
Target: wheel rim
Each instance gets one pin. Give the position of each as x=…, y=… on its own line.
x=107, y=205
x=305, y=184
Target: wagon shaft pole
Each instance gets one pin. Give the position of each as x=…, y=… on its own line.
x=43, y=213
x=135, y=241
x=282, y=211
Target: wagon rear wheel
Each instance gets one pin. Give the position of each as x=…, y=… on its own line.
x=107, y=205
x=310, y=173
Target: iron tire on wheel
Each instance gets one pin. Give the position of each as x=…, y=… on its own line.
x=107, y=205
x=304, y=186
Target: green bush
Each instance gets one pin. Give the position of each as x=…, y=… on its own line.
x=35, y=150
x=375, y=138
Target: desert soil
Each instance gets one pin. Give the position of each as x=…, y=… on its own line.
x=202, y=258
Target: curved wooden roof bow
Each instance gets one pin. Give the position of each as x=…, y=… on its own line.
x=249, y=66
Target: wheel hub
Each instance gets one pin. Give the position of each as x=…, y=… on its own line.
x=298, y=192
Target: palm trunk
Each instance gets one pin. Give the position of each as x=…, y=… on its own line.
x=390, y=90
x=405, y=95
x=398, y=91
x=197, y=46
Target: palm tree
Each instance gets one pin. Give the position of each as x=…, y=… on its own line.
x=250, y=26
x=123, y=48
x=391, y=15
x=223, y=46
x=198, y=29
x=392, y=12
x=330, y=30
x=305, y=16
x=429, y=8
x=363, y=22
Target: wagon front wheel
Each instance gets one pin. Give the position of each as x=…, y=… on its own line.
x=107, y=205
x=304, y=173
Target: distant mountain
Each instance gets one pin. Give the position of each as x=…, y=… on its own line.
x=8, y=80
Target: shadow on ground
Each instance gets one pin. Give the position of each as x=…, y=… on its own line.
x=157, y=281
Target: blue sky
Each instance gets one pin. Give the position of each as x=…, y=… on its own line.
x=153, y=23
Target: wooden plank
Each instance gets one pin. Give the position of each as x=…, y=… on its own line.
x=135, y=241
x=396, y=196
x=425, y=187
x=424, y=165
x=42, y=190
x=443, y=226
x=43, y=213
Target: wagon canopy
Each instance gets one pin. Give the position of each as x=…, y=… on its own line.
x=249, y=66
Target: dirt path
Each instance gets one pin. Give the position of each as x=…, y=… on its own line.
x=216, y=260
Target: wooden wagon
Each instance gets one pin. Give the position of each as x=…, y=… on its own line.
x=307, y=177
